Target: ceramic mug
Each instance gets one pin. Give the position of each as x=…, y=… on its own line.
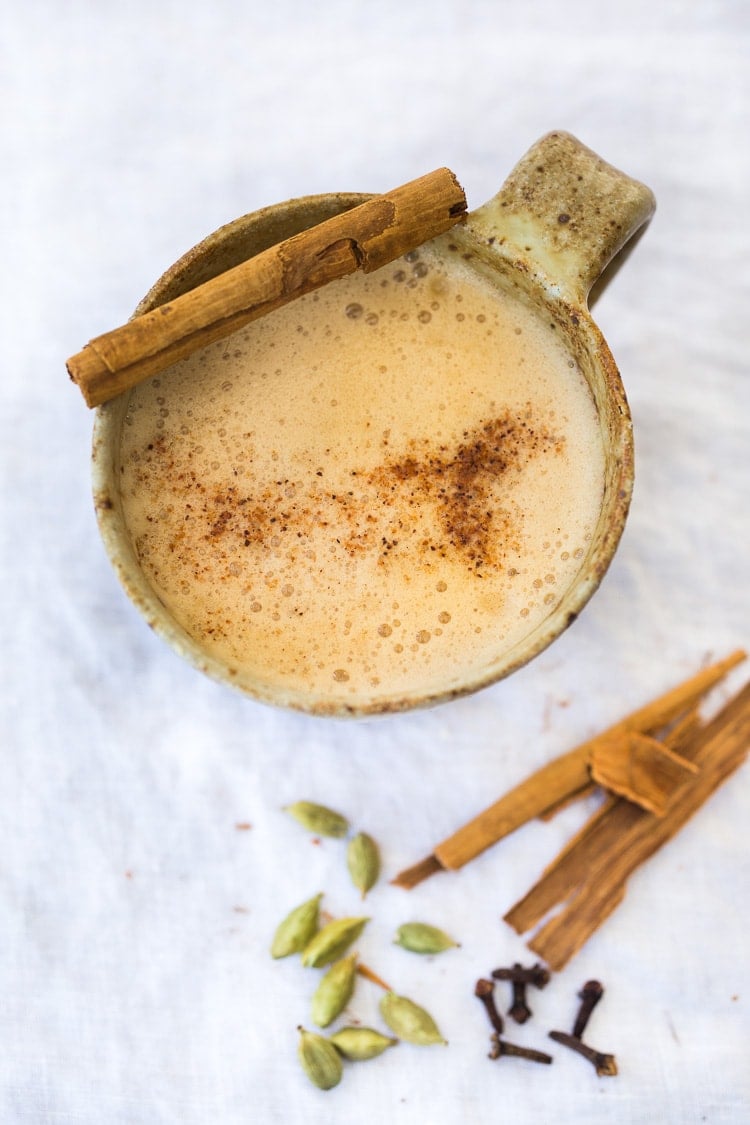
x=542, y=241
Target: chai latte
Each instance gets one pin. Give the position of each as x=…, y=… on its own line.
x=372, y=491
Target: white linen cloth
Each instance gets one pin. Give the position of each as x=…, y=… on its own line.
x=136, y=910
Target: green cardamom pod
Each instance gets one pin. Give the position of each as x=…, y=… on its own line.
x=334, y=991
x=419, y=937
x=358, y=1043
x=332, y=941
x=318, y=819
x=320, y=1060
x=408, y=1021
x=363, y=861
x=299, y=926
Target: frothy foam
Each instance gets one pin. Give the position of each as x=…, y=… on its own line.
x=371, y=490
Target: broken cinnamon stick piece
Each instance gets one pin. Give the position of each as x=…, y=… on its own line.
x=640, y=769
x=556, y=782
x=689, y=721
x=365, y=237
x=590, y=848
x=589, y=878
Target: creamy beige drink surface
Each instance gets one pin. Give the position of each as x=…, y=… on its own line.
x=370, y=491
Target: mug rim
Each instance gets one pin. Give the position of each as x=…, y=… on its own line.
x=256, y=230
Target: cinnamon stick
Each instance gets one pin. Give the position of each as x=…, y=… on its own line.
x=641, y=769
x=689, y=721
x=569, y=799
x=554, y=783
x=588, y=849
x=365, y=237
x=590, y=875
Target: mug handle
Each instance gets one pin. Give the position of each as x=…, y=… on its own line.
x=562, y=215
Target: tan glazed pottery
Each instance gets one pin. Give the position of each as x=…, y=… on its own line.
x=556, y=223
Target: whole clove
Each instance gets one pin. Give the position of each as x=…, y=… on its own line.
x=590, y=995
x=500, y=1047
x=537, y=975
x=484, y=990
x=604, y=1064
x=520, y=977
x=519, y=1009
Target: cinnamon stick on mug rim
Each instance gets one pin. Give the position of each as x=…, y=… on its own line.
x=365, y=237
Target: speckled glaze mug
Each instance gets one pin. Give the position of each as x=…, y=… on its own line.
x=399, y=489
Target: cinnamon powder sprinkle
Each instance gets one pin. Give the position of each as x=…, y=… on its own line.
x=436, y=499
